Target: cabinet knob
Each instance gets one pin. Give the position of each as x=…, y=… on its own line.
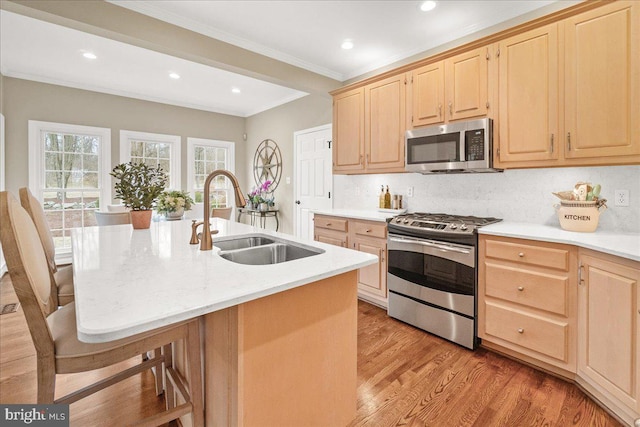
x=521, y=254
x=521, y=288
x=328, y=224
x=520, y=331
x=367, y=231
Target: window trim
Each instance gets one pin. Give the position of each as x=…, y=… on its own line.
x=36, y=160
x=175, y=142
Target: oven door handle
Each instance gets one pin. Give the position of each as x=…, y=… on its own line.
x=442, y=247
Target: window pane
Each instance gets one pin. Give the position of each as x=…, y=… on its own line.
x=137, y=149
x=51, y=142
x=73, y=162
x=165, y=165
x=90, y=163
x=53, y=180
x=164, y=151
x=90, y=145
x=198, y=153
x=199, y=167
x=52, y=160
x=151, y=150
x=71, y=144
x=210, y=153
x=200, y=181
x=151, y=162
x=90, y=180
x=221, y=154
x=210, y=167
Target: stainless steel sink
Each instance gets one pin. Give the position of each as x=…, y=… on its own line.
x=258, y=250
x=242, y=242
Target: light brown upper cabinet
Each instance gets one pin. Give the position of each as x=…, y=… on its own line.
x=348, y=131
x=368, y=127
x=427, y=95
x=453, y=89
x=384, y=117
x=528, y=96
x=569, y=91
x=602, y=78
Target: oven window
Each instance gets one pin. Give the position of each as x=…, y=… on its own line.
x=432, y=272
x=434, y=149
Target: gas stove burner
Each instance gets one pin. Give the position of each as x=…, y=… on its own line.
x=440, y=222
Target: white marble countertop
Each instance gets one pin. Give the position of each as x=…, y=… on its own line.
x=367, y=214
x=626, y=245
x=130, y=281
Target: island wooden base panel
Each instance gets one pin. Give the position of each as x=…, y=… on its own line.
x=405, y=377
x=288, y=359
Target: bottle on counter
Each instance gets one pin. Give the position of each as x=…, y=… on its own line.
x=400, y=201
x=381, y=201
x=387, y=199
x=394, y=202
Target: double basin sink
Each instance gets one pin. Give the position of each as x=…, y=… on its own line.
x=257, y=249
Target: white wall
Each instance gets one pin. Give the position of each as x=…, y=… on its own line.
x=523, y=195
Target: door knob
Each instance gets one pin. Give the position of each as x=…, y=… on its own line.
x=297, y=202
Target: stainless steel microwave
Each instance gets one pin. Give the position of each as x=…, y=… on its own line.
x=451, y=148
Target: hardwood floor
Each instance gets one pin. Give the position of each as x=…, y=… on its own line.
x=406, y=377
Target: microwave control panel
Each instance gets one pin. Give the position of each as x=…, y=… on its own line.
x=474, y=143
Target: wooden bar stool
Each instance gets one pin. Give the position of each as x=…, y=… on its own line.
x=55, y=336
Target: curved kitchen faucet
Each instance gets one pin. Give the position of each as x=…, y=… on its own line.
x=206, y=243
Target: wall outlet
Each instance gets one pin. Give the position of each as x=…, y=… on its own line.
x=409, y=191
x=622, y=198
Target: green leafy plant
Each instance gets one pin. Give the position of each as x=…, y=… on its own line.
x=139, y=185
x=173, y=200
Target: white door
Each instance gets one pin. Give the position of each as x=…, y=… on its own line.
x=313, y=181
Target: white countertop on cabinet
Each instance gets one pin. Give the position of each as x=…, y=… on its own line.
x=626, y=245
x=366, y=214
x=130, y=281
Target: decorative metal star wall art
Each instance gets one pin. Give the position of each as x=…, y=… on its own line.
x=267, y=163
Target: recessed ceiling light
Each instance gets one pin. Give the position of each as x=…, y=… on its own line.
x=235, y=90
x=89, y=55
x=347, y=44
x=174, y=76
x=428, y=5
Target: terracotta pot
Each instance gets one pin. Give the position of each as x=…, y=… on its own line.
x=141, y=219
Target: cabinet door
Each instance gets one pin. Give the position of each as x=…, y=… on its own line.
x=385, y=123
x=609, y=321
x=602, y=79
x=348, y=131
x=427, y=95
x=528, y=88
x=467, y=84
x=372, y=279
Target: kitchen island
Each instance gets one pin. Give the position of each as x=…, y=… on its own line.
x=279, y=340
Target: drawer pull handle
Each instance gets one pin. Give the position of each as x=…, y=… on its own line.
x=328, y=224
x=521, y=254
x=521, y=288
x=367, y=231
x=520, y=331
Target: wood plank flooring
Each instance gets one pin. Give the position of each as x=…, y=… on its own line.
x=406, y=377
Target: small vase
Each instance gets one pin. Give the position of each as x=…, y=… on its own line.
x=176, y=215
x=140, y=219
x=263, y=207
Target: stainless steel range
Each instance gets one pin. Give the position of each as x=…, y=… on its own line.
x=432, y=275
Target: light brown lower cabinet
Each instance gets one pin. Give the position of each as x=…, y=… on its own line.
x=571, y=311
x=364, y=236
x=609, y=331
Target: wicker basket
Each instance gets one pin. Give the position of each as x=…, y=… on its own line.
x=579, y=216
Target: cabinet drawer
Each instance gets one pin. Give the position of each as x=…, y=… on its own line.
x=331, y=223
x=529, y=254
x=370, y=229
x=533, y=289
x=540, y=334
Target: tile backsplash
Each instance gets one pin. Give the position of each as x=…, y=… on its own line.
x=523, y=195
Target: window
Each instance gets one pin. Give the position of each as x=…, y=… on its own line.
x=153, y=149
x=69, y=169
x=204, y=156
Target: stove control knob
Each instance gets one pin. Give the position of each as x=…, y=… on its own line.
x=406, y=221
x=398, y=219
x=463, y=227
x=453, y=226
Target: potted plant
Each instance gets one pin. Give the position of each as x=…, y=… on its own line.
x=261, y=198
x=138, y=186
x=173, y=203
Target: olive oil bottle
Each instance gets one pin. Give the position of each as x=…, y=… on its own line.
x=381, y=198
x=387, y=199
